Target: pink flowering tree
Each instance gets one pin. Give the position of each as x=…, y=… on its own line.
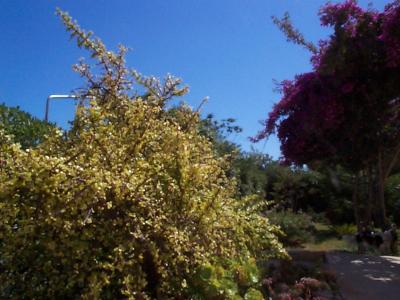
x=346, y=110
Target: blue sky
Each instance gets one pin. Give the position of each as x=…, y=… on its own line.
x=228, y=50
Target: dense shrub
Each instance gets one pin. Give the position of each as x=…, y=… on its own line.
x=227, y=279
x=297, y=227
x=128, y=204
x=297, y=189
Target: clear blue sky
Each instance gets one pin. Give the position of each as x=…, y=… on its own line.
x=228, y=50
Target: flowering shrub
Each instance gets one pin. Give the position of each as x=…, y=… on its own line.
x=293, y=282
x=127, y=204
x=306, y=287
x=345, y=110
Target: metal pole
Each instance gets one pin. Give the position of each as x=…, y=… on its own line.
x=46, y=115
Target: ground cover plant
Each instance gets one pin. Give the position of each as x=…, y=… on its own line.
x=132, y=202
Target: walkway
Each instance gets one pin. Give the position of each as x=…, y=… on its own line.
x=364, y=277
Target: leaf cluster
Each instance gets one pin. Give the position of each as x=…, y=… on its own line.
x=227, y=279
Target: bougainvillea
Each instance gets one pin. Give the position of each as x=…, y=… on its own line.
x=391, y=34
x=128, y=204
x=346, y=110
x=346, y=107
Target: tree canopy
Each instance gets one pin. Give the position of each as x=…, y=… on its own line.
x=346, y=109
x=25, y=129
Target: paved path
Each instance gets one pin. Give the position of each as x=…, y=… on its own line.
x=364, y=277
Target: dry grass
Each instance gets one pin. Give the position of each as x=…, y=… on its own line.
x=330, y=245
x=326, y=240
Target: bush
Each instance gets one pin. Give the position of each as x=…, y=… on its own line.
x=296, y=280
x=344, y=229
x=297, y=227
x=227, y=279
x=127, y=205
x=392, y=194
x=317, y=217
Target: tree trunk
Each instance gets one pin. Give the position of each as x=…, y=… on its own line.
x=370, y=196
x=356, y=203
x=380, y=197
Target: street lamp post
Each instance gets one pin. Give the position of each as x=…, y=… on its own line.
x=46, y=115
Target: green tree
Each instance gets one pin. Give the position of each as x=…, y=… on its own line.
x=25, y=129
x=296, y=189
x=218, y=133
x=251, y=172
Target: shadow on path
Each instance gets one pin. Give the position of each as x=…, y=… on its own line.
x=364, y=277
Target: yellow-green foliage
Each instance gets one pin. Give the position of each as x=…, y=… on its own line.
x=226, y=280
x=344, y=229
x=127, y=204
